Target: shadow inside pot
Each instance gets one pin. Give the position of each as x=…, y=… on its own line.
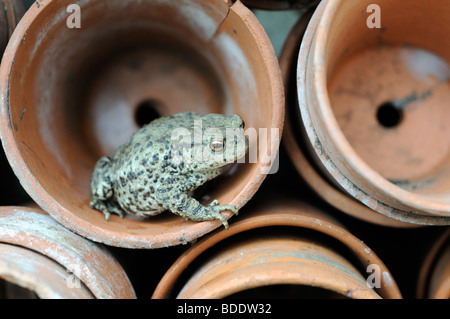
x=9, y=290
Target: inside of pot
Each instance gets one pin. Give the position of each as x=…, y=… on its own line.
x=389, y=87
x=287, y=292
x=77, y=94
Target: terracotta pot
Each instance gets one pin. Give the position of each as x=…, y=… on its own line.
x=36, y=274
x=73, y=95
x=294, y=136
x=278, y=242
x=434, y=278
x=372, y=102
x=41, y=255
x=11, y=11
x=280, y=4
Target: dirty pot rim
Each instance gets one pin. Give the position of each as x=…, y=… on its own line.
x=95, y=232
x=38, y=274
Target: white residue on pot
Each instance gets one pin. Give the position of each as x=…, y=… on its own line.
x=195, y=14
x=238, y=68
x=424, y=64
x=387, y=279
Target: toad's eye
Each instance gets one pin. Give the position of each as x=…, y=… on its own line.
x=216, y=146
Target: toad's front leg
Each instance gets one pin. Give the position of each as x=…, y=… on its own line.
x=175, y=199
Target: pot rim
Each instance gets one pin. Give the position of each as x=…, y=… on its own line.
x=309, y=174
x=33, y=229
x=35, y=272
x=337, y=137
x=283, y=217
x=94, y=232
x=426, y=270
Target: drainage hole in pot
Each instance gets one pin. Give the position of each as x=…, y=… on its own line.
x=388, y=115
x=147, y=111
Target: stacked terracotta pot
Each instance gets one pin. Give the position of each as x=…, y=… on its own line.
x=363, y=165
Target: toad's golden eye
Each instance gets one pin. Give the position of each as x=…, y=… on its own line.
x=216, y=146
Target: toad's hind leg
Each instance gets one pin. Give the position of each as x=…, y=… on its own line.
x=215, y=203
x=102, y=191
x=101, y=184
x=115, y=208
x=101, y=206
x=174, y=199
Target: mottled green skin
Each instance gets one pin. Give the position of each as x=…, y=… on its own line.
x=146, y=177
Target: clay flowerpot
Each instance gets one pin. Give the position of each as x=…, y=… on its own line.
x=434, y=279
x=40, y=255
x=279, y=242
x=294, y=138
x=28, y=275
x=373, y=104
x=71, y=95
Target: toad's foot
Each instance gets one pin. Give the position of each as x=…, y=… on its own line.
x=107, y=208
x=213, y=212
x=215, y=203
x=191, y=209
